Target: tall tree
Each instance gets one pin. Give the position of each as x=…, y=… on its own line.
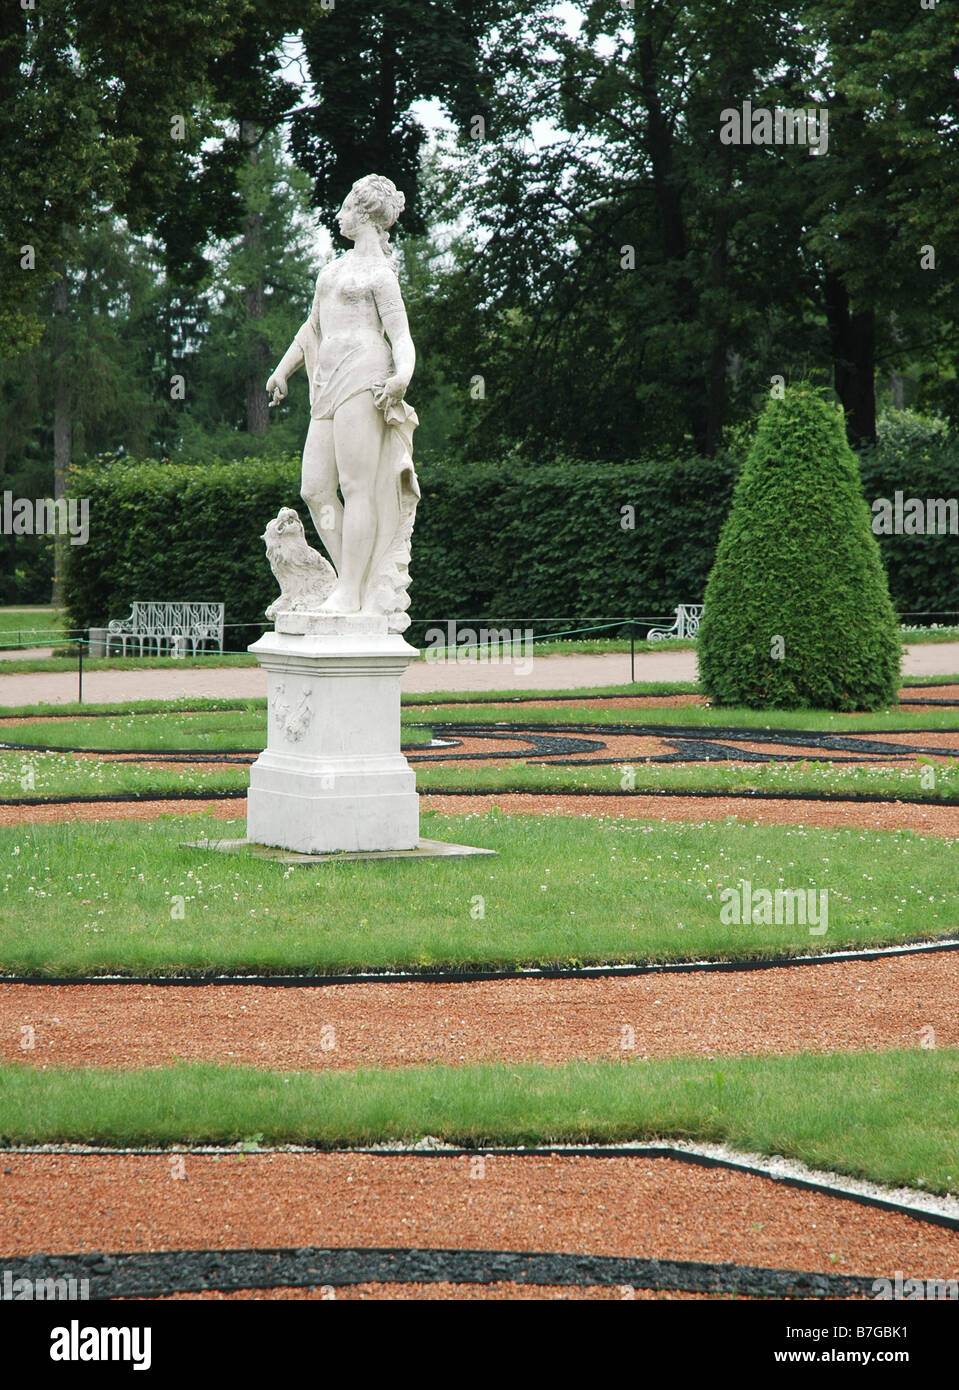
x=96, y=98
x=626, y=255
x=886, y=190
x=370, y=61
x=230, y=344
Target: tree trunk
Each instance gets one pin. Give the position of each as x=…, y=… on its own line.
x=718, y=370
x=257, y=404
x=659, y=147
x=62, y=416
x=853, y=340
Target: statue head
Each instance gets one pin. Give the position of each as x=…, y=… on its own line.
x=373, y=199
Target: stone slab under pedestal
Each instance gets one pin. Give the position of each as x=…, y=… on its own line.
x=425, y=849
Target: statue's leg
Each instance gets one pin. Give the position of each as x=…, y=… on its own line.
x=318, y=487
x=358, y=436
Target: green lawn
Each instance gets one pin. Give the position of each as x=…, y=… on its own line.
x=66, y=660
x=689, y=716
x=892, y=1117
x=899, y=783
x=562, y=697
x=131, y=897
x=236, y=730
x=41, y=776
x=187, y=704
x=29, y=775
x=243, y=729
x=29, y=624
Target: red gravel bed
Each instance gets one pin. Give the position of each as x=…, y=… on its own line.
x=223, y=808
x=849, y=815
x=936, y=692
x=656, y=1208
x=771, y=748
x=930, y=738
x=835, y=1006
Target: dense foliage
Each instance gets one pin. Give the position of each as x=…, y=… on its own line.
x=511, y=540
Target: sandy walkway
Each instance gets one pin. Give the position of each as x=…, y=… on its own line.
x=546, y=673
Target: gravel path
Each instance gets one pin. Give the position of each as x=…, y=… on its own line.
x=830, y=1007
x=924, y=820
x=658, y=1208
x=547, y=673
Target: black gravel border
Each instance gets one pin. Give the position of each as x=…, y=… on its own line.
x=158, y=1273
x=438, y=975
x=743, y=794
x=859, y=743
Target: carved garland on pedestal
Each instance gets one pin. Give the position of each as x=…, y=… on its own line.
x=293, y=719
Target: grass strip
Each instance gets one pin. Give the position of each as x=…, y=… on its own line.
x=890, y=1117
x=65, y=659
x=912, y=780
x=53, y=714
x=692, y=716
x=115, y=896
x=564, y=696
x=26, y=776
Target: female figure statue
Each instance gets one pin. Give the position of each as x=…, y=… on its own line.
x=361, y=428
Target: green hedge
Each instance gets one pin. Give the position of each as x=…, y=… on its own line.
x=916, y=457
x=493, y=541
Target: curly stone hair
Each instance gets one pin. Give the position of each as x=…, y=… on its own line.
x=381, y=202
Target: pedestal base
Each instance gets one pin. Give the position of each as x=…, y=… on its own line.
x=332, y=776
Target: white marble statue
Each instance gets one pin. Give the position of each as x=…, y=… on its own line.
x=306, y=580
x=359, y=442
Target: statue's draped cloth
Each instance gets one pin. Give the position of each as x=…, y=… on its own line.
x=396, y=490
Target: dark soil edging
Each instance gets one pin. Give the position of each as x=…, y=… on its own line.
x=159, y=1273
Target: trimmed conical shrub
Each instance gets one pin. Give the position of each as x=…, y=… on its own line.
x=797, y=611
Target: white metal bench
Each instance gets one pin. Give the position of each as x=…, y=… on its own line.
x=173, y=626
x=686, y=624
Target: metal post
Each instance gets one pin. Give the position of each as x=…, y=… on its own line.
x=632, y=655
x=80, y=672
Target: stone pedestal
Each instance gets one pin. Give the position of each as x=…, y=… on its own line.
x=332, y=776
